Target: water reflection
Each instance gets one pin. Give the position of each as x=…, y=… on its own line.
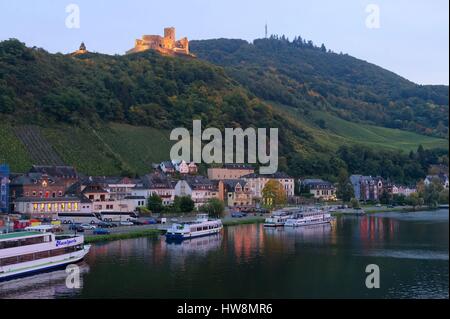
x=250, y=261
x=41, y=286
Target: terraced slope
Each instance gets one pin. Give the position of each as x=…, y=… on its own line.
x=40, y=150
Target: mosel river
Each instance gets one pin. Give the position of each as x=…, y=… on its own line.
x=249, y=261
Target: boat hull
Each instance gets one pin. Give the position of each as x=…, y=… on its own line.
x=273, y=224
x=319, y=222
x=44, y=265
x=184, y=236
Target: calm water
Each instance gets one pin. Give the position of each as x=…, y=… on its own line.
x=249, y=261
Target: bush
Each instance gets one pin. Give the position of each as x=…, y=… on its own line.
x=214, y=207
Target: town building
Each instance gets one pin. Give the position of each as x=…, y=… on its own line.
x=230, y=171
x=4, y=189
x=117, y=187
x=66, y=174
x=181, y=166
x=38, y=185
x=401, y=190
x=441, y=178
x=257, y=182
x=367, y=187
x=236, y=194
x=199, y=188
x=165, y=45
x=319, y=188
x=167, y=167
x=156, y=184
x=41, y=207
x=95, y=192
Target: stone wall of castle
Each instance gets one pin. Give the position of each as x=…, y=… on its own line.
x=165, y=45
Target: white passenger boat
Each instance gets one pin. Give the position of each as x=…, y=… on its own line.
x=202, y=226
x=278, y=218
x=306, y=217
x=29, y=252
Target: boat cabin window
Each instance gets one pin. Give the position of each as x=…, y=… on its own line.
x=22, y=242
x=39, y=255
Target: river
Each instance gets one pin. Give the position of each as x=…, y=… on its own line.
x=249, y=261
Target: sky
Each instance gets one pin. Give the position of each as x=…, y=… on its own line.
x=408, y=37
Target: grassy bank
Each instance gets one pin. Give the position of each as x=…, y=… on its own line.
x=400, y=209
x=134, y=234
x=243, y=221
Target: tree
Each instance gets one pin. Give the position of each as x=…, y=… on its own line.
x=214, y=207
x=414, y=200
x=354, y=203
x=432, y=192
x=344, y=190
x=183, y=204
x=154, y=203
x=443, y=197
x=273, y=194
x=386, y=198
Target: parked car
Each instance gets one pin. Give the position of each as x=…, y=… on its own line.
x=88, y=226
x=378, y=205
x=150, y=221
x=101, y=231
x=78, y=229
x=126, y=223
x=74, y=226
x=106, y=225
x=237, y=214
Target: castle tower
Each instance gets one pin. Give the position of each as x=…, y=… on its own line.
x=169, y=38
x=170, y=33
x=81, y=50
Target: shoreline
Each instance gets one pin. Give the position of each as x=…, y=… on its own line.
x=401, y=209
x=90, y=239
x=155, y=232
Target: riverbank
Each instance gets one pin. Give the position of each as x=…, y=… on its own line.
x=374, y=210
x=125, y=235
x=152, y=231
x=242, y=221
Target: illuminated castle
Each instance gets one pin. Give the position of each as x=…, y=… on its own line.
x=165, y=45
x=81, y=50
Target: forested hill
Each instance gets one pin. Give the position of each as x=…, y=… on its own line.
x=113, y=114
x=299, y=74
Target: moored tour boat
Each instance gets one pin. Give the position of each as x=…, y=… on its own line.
x=202, y=226
x=29, y=252
x=277, y=219
x=308, y=217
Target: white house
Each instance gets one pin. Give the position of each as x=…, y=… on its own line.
x=199, y=188
x=159, y=184
x=181, y=166
x=442, y=178
x=257, y=183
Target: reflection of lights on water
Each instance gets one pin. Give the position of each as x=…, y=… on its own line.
x=47, y=285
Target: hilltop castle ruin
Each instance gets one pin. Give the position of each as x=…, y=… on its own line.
x=165, y=45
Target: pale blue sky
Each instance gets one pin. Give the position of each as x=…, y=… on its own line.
x=412, y=41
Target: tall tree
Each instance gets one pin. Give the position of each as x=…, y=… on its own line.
x=344, y=190
x=154, y=203
x=274, y=194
